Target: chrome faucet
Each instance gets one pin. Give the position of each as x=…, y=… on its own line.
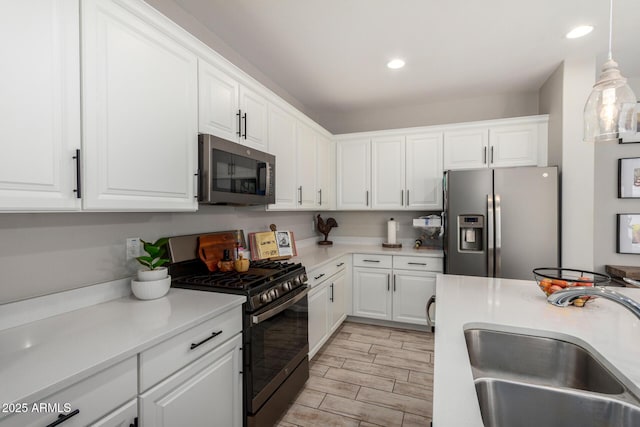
x=567, y=295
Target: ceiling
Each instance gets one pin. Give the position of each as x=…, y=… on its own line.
x=330, y=55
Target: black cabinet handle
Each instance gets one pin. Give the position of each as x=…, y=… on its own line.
x=78, y=189
x=213, y=335
x=320, y=191
x=239, y=113
x=388, y=280
x=340, y=265
x=62, y=418
x=491, y=154
x=331, y=293
x=401, y=197
x=416, y=263
x=484, y=155
x=300, y=195
x=407, y=197
x=371, y=260
x=244, y=117
x=394, y=283
x=135, y=423
x=317, y=277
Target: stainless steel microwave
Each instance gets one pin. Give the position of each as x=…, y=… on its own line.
x=233, y=174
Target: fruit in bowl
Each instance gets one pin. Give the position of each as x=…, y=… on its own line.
x=552, y=280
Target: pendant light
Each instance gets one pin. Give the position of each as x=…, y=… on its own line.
x=610, y=109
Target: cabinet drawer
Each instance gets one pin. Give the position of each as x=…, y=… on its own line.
x=93, y=398
x=162, y=360
x=319, y=275
x=418, y=263
x=375, y=261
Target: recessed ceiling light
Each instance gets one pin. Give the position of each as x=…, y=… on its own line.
x=395, y=64
x=580, y=31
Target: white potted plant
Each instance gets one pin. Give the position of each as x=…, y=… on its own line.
x=153, y=281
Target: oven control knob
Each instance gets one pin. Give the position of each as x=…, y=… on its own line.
x=272, y=294
x=286, y=286
x=264, y=297
x=303, y=278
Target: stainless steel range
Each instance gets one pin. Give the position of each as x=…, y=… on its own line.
x=275, y=325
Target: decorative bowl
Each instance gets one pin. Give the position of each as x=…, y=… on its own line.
x=553, y=279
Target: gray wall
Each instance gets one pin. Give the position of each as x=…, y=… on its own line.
x=452, y=111
x=47, y=252
x=550, y=102
x=607, y=203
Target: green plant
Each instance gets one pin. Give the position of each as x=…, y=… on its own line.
x=155, y=251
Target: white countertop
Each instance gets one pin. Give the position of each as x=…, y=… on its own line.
x=313, y=255
x=41, y=357
x=603, y=325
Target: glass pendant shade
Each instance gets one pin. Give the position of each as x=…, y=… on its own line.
x=610, y=110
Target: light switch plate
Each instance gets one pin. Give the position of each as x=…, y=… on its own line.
x=133, y=248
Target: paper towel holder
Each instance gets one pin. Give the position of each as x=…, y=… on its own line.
x=388, y=244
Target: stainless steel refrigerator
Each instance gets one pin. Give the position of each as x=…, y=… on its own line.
x=501, y=222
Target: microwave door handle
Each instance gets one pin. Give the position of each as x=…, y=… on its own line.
x=267, y=183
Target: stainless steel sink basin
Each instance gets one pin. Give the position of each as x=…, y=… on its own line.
x=526, y=380
x=536, y=359
x=507, y=404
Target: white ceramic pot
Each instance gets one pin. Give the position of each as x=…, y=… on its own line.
x=151, y=289
x=152, y=275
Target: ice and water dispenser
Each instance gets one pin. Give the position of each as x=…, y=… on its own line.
x=470, y=233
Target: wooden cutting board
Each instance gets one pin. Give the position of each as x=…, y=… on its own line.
x=211, y=248
x=631, y=272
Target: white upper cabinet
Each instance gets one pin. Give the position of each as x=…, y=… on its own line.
x=229, y=109
x=424, y=171
x=253, y=108
x=218, y=96
x=512, y=142
x=139, y=111
x=306, y=159
x=40, y=104
x=466, y=148
x=513, y=145
x=387, y=173
x=353, y=164
x=326, y=173
x=282, y=143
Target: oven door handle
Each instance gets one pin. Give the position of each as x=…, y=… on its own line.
x=279, y=309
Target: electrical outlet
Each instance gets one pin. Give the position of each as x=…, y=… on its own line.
x=133, y=248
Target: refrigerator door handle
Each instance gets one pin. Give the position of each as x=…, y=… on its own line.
x=498, y=242
x=490, y=243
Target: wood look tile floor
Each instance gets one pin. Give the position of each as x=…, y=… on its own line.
x=367, y=375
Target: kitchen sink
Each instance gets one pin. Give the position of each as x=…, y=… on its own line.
x=505, y=404
x=529, y=380
x=541, y=360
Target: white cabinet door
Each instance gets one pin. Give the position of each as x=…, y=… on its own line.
x=372, y=293
x=306, y=161
x=218, y=102
x=513, y=145
x=40, y=104
x=319, y=310
x=388, y=173
x=282, y=144
x=337, y=297
x=353, y=174
x=326, y=170
x=424, y=171
x=125, y=416
x=207, y=391
x=140, y=116
x=411, y=291
x=254, y=119
x=466, y=148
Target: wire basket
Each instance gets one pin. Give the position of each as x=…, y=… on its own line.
x=553, y=279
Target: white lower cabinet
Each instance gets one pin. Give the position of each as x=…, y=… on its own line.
x=206, y=392
x=96, y=400
x=327, y=302
x=125, y=416
x=397, y=294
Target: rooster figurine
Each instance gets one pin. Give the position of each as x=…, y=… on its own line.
x=325, y=228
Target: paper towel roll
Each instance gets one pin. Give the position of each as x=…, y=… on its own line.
x=391, y=231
